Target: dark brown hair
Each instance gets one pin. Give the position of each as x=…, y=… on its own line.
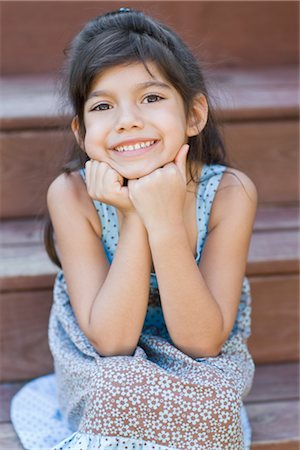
x=123, y=37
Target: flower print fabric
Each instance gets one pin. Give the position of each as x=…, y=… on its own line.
x=159, y=398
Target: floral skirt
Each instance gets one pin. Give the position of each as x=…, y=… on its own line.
x=159, y=398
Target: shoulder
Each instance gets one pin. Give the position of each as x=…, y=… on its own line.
x=67, y=194
x=236, y=198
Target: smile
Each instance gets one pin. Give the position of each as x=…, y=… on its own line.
x=137, y=146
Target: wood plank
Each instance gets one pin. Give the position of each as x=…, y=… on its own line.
x=281, y=445
x=22, y=231
x=274, y=421
x=7, y=391
x=273, y=382
x=30, y=230
x=25, y=260
x=275, y=318
x=31, y=102
x=30, y=27
x=8, y=438
x=273, y=252
x=274, y=218
x=28, y=159
x=25, y=352
x=25, y=265
x=267, y=151
x=28, y=266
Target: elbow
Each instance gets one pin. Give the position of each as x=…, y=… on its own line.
x=106, y=348
x=107, y=345
x=106, y=352
x=210, y=350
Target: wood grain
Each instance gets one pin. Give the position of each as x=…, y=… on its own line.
x=275, y=318
x=28, y=166
x=274, y=382
x=7, y=391
x=267, y=152
x=279, y=445
x=24, y=341
x=8, y=438
x=275, y=421
x=223, y=33
x=25, y=354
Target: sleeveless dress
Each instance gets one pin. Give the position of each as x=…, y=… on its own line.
x=159, y=398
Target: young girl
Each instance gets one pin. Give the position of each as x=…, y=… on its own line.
x=151, y=308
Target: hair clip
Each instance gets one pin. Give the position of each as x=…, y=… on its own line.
x=122, y=10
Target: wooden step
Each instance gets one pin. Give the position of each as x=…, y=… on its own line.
x=32, y=102
x=223, y=33
x=272, y=406
x=258, y=110
x=274, y=249
x=27, y=276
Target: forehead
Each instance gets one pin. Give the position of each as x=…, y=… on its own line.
x=130, y=74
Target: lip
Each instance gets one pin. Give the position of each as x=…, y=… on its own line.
x=138, y=152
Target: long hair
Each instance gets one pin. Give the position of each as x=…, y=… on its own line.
x=124, y=37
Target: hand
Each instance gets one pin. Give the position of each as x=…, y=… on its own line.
x=107, y=185
x=159, y=197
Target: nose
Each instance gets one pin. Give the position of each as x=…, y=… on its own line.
x=129, y=117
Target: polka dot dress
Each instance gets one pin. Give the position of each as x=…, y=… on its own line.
x=159, y=398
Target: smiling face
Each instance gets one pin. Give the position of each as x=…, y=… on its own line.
x=134, y=122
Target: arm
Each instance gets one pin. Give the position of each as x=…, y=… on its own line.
x=109, y=301
x=118, y=311
x=200, y=303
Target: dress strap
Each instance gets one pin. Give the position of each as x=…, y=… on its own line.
x=211, y=176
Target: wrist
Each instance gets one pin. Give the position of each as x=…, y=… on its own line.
x=132, y=217
x=164, y=231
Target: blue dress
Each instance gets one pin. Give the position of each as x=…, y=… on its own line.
x=159, y=398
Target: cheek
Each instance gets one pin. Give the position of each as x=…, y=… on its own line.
x=93, y=136
x=174, y=124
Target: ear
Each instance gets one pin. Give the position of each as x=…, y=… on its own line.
x=75, y=128
x=197, y=117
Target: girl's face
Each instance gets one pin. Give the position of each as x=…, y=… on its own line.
x=134, y=123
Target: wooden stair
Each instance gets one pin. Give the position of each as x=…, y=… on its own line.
x=255, y=96
x=267, y=152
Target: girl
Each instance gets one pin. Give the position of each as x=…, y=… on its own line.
x=151, y=308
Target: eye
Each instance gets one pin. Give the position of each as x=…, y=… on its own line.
x=152, y=98
x=101, y=107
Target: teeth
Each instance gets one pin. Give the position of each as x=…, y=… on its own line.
x=128, y=148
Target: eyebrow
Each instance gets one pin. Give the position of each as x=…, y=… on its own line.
x=139, y=86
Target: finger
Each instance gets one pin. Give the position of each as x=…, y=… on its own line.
x=181, y=158
x=113, y=179
x=131, y=186
x=87, y=171
x=93, y=175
